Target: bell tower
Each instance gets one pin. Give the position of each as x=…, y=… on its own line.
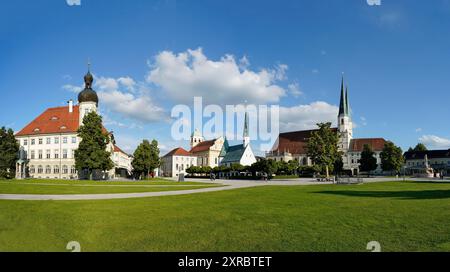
x=345, y=125
x=87, y=99
x=246, y=135
x=196, y=138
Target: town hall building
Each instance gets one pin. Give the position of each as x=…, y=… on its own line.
x=48, y=143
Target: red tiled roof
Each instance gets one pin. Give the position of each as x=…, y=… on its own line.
x=203, y=146
x=178, y=152
x=118, y=149
x=357, y=145
x=53, y=120
x=294, y=142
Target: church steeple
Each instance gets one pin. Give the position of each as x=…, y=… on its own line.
x=345, y=125
x=347, y=105
x=343, y=107
x=87, y=99
x=246, y=131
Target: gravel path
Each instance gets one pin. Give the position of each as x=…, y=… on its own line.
x=121, y=195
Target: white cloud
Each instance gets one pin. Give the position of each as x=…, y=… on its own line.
x=304, y=117
x=108, y=121
x=106, y=84
x=294, y=89
x=128, y=82
x=73, y=2
x=125, y=97
x=129, y=105
x=244, y=63
x=363, y=120
x=315, y=71
x=418, y=129
x=435, y=142
x=72, y=88
x=129, y=143
x=185, y=75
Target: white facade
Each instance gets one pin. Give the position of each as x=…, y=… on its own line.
x=85, y=108
x=196, y=138
x=208, y=155
x=353, y=161
x=174, y=165
x=49, y=142
x=51, y=156
x=123, y=161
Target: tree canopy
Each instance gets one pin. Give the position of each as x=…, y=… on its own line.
x=146, y=158
x=322, y=148
x=9, y=150
x=265, y=165
x=368, y=162
x=418, y=148
x=391, y=157
x=91, y=153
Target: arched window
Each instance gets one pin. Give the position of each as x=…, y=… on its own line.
x=40, y=169
x=65, y=169
x=73, y=170
x=32, y=169
x=48, y=169
x=56, y=169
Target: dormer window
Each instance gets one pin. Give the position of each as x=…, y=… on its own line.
x=54, y=118
x=63, y=127
x=37, y=130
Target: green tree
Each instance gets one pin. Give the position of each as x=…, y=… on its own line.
x=420, y=147
x=391, y=157
x=368, y=162
x=146, y=158
x=9, y=150
x=267, y=166
x=282, y=167
x=322, y=148
x=91, y=154
x=292, y=167
x=338, y=165
x=237, y=167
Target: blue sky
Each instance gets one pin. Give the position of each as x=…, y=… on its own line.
x=395, y=57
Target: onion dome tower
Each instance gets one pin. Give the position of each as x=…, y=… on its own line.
x=87, y=99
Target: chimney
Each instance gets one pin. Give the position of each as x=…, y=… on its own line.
x=70, y=105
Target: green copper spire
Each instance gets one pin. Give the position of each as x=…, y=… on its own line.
x=246, y=134
x=225, y=148
x=346, y=101
x=343, y=109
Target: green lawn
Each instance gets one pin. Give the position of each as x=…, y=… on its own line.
x=47, y=189
x=155, y=181
x=285, y=177
x=401, y=216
